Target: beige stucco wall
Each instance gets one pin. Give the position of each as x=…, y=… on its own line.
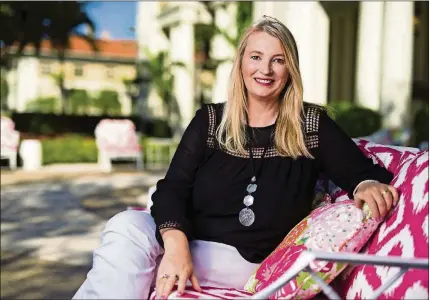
x=30, y=80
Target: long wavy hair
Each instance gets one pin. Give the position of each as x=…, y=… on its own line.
x=289, y=138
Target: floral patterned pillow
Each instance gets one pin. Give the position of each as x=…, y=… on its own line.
x=337, y=227
x=206, y=293
x=321, y=196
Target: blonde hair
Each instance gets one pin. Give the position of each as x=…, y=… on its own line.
x=289, y=138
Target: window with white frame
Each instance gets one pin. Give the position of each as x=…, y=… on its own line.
x=110, y=72
x=45, y=68
x=79, y=70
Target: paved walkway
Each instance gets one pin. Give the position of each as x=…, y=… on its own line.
x=47, y=220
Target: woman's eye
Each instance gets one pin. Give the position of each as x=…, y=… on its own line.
x=279, y=60
x=255, y=57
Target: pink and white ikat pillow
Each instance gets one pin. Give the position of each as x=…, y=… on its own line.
x=403, y=233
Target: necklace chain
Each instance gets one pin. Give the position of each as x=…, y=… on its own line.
x=247, y=215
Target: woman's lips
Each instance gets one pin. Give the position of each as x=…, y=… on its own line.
x=264, y=82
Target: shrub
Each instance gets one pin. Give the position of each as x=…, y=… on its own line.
x=108, y=103
x=4, y=91
x=75, y=148
x=72, y=148
x=79, y=102
x=356, y=121
x=421, y=126
x=43, y=105
x=51, y=124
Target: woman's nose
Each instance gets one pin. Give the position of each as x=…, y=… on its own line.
x=266, y=67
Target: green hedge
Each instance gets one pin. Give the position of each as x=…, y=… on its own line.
x=43, y=105
x=421, y=126
x=75, y=148
x=71, y=148
x=48, y=124
x=81, y=147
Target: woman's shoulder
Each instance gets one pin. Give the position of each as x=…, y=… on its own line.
x=215, y=110
x=313, y=116
x=313, y=108
x=216, y=106
x=312, y=113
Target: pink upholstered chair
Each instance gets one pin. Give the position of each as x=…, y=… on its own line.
x=117, y=139
x=9, y=141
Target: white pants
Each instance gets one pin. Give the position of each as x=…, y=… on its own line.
x=125, y=264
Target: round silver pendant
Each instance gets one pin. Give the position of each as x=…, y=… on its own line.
x=246, y=217
x=248, y=200
x=251, y=188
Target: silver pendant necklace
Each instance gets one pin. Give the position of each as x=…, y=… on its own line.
x=247, y=215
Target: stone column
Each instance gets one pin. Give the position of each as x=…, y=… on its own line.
x=369, y=46
x=27, y=82
x=179, y=20
x=271, y=8
x=149, y=36
x=222, y=50
x=309, y=24
x=397, y=60
x=148, y=30
x=182, y=50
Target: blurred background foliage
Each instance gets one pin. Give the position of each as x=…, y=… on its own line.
x=420, y=125
x=27, y=23
x=356, y=121
x=43, y=105
x=68, y=122
x=75, y=133
x=76, y=148
x=107, y=103
x=79, y=102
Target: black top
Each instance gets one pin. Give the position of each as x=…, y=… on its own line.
x=203, y=190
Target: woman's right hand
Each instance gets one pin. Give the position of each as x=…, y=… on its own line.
x=176, y=263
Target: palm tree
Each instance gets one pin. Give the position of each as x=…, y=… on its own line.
x=243, y=19
x=22, y=25
x=161, y=72
x=4, y=91
x=66, y=19
x=29, y=23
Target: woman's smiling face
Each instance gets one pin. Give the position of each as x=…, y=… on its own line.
x=264, y=69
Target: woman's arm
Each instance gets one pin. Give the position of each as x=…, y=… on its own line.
x=344, y=163
x=173, y=191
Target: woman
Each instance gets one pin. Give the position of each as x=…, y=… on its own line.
x=222, y=207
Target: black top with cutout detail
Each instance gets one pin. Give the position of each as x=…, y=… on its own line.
x=203, y=190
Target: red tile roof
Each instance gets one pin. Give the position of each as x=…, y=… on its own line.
x=106, y=48
x=110, y=48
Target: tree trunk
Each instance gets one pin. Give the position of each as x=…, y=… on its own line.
x=61, y=85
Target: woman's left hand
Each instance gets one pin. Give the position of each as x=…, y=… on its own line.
x=378, y=196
